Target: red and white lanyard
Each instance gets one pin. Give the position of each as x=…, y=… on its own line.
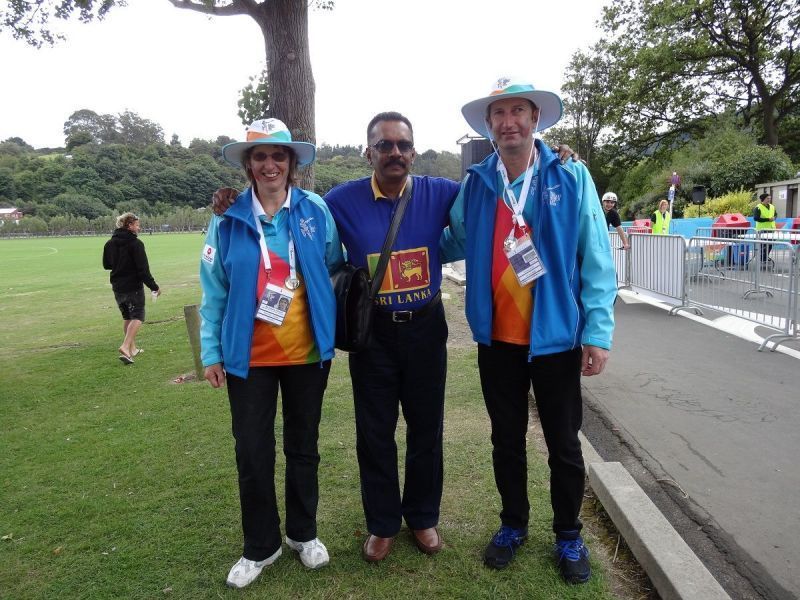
x=518, y=206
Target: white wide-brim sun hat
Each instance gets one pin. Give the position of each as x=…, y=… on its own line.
x=268, y=131
x=549, y=104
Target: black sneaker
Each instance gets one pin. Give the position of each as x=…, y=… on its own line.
x=572, y=558
x=500, y=551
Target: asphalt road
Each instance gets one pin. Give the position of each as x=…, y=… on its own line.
x=711, y=430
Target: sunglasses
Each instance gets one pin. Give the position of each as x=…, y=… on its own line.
x=275, y=156
x=610, y=201
x=386, y=146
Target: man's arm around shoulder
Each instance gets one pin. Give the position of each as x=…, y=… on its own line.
x=452, y=245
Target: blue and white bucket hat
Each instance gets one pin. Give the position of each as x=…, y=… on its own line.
x=549, y=104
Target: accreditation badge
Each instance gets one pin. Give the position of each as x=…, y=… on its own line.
x=524, y=260
x=274, y=304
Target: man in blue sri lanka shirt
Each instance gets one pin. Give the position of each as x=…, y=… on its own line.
x=405, y=364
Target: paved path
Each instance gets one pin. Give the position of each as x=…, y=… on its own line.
x=706, y=414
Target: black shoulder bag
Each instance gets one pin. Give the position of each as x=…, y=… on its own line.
x=355, y=294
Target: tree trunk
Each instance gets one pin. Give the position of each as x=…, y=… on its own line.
x=284, y=25
x=770, y=128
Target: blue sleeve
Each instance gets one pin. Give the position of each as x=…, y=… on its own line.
x=452, y=242
x=597, y=272
x=334, y=257
x=215, y=286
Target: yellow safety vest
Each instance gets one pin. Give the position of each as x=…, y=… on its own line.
x=661, y=223
x=766, y=212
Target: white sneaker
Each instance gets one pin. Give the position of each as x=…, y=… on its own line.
x=245, y=571
x=313, y=554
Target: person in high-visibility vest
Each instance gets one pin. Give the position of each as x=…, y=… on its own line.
x=764, y=215
x=661, y=219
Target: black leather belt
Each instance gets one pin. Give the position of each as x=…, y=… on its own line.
x=404, y=316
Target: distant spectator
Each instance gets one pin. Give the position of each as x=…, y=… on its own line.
x=764, y=215
x=661, y=218
x=612, y=217
x=125, y=257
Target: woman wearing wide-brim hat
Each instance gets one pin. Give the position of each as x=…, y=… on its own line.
x=270, y=255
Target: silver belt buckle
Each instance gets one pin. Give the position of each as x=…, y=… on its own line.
x=402, y=316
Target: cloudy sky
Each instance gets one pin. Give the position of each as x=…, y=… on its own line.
x=424, y=58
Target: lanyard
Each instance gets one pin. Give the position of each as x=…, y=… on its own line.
x=258, y=210
x=517, y=206
x=292, y=269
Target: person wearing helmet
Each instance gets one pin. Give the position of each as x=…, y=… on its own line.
x=612, y=217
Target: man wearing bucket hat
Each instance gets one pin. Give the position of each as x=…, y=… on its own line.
x=541, y=286
x=270, y=255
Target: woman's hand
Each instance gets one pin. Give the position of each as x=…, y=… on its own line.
x=215, y=375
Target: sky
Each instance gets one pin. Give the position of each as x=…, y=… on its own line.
x=184, y=70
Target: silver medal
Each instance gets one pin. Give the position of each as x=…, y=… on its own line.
x=509, y=244
x=291, y=283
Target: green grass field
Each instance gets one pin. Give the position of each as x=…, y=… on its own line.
x=116, y=482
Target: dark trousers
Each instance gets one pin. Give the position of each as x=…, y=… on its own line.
x=406, y=365
x=253, y=406
x=506, y=377
x=765, y=250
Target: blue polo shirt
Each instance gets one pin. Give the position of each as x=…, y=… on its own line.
x=363, y=214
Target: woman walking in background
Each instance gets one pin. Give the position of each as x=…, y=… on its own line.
x=125, y=257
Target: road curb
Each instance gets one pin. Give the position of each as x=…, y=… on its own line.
x=672, y=566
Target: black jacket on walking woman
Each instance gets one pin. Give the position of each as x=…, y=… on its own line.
x=125, y=257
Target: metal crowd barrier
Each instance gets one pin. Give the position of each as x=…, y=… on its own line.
x=723, y=232
x=657, y=264
x=775, y=235
x=621, y=260
x=754, y=280
x=749, y=274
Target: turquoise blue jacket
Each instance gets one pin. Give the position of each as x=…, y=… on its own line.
x=573, y=301
x=229, y=275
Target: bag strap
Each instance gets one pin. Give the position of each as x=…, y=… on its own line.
x=394, y=226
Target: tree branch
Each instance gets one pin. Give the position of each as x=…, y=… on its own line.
x=237, y=7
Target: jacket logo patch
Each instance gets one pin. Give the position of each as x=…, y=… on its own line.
x=307, y=229
x=209, y=253
x=551, y=196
